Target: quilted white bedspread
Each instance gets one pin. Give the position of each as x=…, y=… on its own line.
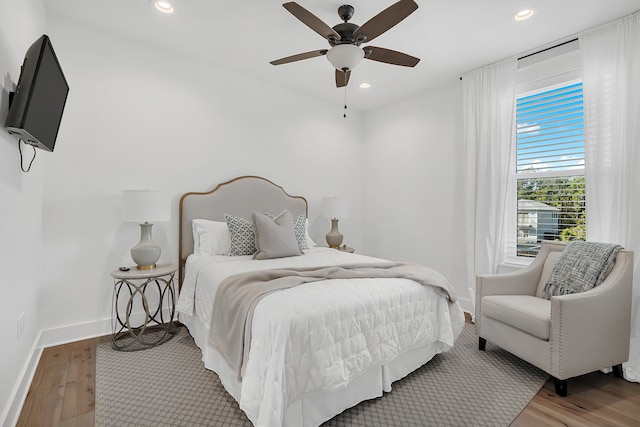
x=319, y=336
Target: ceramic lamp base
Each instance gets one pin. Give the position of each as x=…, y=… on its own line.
x=146, y=253
x=334, y=237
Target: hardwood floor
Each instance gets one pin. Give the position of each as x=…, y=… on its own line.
x=595, y=399
x=62, y=390
x=62, y=394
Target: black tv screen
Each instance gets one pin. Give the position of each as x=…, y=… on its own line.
x=36, y=108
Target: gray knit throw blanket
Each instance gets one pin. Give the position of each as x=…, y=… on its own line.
x=582, y=266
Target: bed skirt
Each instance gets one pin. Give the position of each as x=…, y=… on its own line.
x=313, y=409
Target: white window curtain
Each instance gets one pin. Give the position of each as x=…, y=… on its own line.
x=611, y=66
x=489, y=114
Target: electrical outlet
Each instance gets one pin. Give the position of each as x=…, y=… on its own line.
x=20, y=325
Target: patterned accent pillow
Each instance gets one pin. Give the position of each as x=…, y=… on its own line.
x=300, y=227
x=581, y=266
x=243, y=239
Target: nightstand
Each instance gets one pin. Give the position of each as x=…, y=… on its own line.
x=152, y=290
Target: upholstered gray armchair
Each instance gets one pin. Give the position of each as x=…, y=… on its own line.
x=565, y=336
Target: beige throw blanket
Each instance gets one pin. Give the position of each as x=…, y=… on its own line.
x=238, y=295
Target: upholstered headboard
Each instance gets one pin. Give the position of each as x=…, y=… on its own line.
x=238, y=196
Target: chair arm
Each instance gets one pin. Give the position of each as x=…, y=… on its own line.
x=590, y=330
x=520, y=282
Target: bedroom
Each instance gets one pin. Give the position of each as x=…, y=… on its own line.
x=61, y=228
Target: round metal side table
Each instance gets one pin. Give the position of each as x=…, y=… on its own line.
x=154, y=291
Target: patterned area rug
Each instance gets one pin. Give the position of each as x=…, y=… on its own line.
x=169, y=386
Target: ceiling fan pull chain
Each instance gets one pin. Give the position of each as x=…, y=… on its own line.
x=345, y=95
x=345, y=102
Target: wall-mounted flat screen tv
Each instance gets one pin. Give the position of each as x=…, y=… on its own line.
x=36, y=107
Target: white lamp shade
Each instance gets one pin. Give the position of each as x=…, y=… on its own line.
x=335, y=208
x=145, y=206
x=345, y=56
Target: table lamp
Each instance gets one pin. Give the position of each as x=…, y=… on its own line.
x=144, y=206
x=335, y=208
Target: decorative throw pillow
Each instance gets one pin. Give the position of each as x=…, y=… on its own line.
x=274, y=237
x=243, y=241
x=210, y=237
x=580, y=267
x=300, y=226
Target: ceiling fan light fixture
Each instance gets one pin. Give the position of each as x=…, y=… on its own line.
x=345, y=56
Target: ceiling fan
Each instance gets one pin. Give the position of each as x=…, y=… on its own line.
x=345, y=38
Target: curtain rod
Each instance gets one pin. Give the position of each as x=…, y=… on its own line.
x=545, y=49
x=549, y=48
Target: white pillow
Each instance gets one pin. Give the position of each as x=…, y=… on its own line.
x=210, y=237
x=310, y=242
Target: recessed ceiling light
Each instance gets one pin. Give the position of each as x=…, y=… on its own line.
x=365, y=85
x=163, y=6
x=524, y=14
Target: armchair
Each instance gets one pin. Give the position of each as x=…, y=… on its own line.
x=566, y=336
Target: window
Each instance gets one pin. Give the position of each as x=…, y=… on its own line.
x=549, y=167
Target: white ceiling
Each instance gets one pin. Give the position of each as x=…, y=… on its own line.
x=450, y=36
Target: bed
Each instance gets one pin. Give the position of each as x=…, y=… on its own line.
x=315, y=349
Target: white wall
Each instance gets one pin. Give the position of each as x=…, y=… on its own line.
x=141, y=118
x=21, y=198
x=412, y=197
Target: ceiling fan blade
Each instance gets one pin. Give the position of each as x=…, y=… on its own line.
x=299, y=57
x=386, y=19
x=311, y=21
x=388, y=56
x=342, y=78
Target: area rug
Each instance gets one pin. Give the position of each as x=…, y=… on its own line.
x=169, y=386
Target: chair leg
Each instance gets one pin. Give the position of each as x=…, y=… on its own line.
x=561, y=387
x=617, y=371
x=482, y=343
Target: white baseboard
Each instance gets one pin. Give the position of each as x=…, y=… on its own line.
x=20, y=390
x=77, y=332
x=82, y=331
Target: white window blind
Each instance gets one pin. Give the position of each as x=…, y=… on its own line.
x=549, y=167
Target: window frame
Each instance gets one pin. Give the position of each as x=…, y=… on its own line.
x=524, y=89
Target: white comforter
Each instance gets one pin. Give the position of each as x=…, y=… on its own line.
x=319, y=336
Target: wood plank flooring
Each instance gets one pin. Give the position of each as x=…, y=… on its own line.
x=62, y=394
x=62, y=389
x=595, y=399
